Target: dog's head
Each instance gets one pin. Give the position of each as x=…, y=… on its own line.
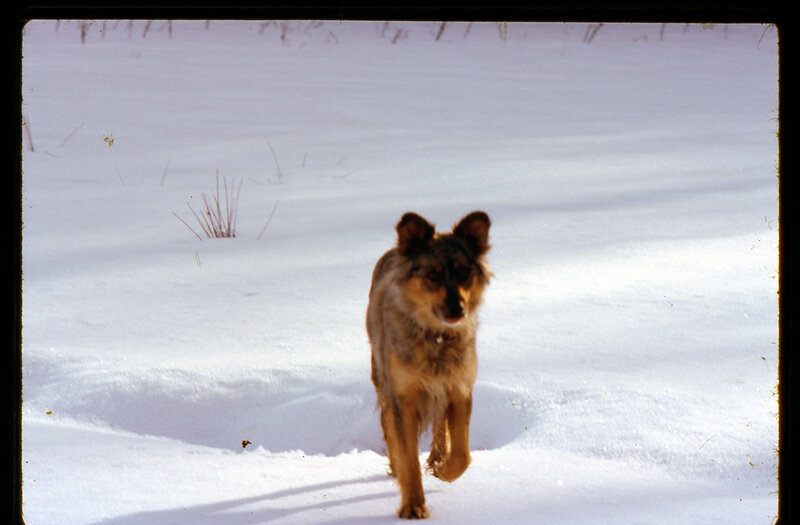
x=447, y=272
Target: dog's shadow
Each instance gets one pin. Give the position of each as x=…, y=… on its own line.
x=257, y=509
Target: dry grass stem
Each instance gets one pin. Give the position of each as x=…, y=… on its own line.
x=26, y=127
x=218, y=216
x=268, y=220
x=277, y=166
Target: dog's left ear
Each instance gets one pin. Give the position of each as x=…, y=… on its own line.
x=474, y=228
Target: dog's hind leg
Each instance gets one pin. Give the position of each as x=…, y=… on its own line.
x=387, y=420
x=440, y=441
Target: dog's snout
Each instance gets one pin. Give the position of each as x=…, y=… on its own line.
x=454, y=305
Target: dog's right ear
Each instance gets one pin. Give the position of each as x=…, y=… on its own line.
x=413, y=232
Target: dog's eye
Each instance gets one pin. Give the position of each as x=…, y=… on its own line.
x=435, y=275
x=461, y=272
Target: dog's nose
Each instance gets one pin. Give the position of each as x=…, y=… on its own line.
x=455, y=313
x=454, y=308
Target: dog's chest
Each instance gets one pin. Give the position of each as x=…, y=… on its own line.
x=440, y=355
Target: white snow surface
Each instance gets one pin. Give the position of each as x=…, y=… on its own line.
x=627, y=345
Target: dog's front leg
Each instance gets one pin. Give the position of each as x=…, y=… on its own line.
x=457, y=461
x=406, y=456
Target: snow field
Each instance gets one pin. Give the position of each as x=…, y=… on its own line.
x=627, y=344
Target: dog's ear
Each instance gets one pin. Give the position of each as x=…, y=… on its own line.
x=413, y=232
x=474, y=228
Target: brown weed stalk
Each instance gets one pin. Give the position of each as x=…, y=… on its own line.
x=217, y=219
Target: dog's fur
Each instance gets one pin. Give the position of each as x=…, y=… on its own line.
x=421, y=322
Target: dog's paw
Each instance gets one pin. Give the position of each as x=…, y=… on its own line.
x=451, y=468
x=413, y=512
x=432, y=463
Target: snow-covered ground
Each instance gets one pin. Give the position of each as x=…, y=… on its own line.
x=628, y=343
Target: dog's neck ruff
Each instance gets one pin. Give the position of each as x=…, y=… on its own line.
x=430, y=335
x=440, y=337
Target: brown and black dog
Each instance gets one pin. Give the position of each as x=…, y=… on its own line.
x=421, y=322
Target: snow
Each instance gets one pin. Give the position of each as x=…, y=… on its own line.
x=628, y=343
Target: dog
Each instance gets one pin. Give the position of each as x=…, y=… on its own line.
x=421, y=323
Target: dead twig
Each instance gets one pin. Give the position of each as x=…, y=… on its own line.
x=218, y=218
x=275, y=207
x=277, y=166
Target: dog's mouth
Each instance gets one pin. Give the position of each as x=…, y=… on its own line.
x=452, y=321
x=452, y=311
